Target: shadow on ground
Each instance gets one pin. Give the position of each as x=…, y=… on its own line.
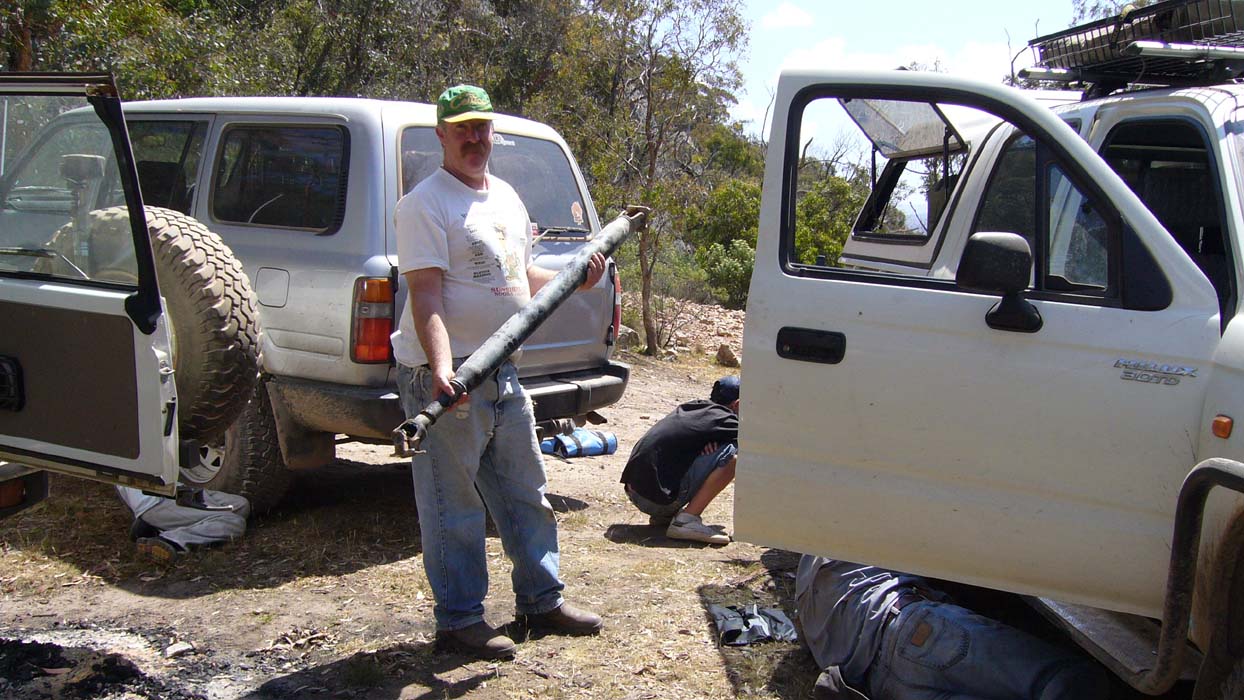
x=337, y=520
x=384, y=675
x=784, y=669
x=648, y=536
x=566, y=504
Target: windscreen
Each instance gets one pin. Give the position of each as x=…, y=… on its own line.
x=63, y=210
x=536, y=168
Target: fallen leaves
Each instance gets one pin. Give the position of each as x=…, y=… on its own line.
x=301, y=639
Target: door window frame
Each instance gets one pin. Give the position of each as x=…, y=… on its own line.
x=1152, y=290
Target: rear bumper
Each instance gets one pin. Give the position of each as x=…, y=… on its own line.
x=371, y=413
x=576, y=393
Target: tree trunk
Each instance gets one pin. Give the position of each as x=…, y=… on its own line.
x=645, y=292
x=21, y=49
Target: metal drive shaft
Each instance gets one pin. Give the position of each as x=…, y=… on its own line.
x=514, y=332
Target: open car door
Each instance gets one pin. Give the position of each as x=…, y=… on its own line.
x=86, y=379
x=909, y=420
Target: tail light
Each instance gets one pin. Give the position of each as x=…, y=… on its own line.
x=616, y=328
x=373, y=320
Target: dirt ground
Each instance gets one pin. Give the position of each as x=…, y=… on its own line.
x=326, y=597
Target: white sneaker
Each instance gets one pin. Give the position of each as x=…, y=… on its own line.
x=686, y=526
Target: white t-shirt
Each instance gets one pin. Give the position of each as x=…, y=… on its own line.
x=482, y=241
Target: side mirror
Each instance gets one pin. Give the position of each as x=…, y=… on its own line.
x=1000, y=263
x=81, y=168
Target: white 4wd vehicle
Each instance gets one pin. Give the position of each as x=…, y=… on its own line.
x=1017, y=375
x=303, y=190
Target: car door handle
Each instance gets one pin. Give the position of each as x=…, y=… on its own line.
x=811, y=345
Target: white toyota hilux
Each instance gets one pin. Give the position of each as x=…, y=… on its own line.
x=1023, y=370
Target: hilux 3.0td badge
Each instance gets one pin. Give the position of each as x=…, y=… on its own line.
x=1152, y=372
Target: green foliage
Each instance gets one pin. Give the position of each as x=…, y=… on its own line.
x=729, y=271
x=677, y=273
x=643, y=78
x=1086, y=10
x=676, y=277
x=824, y=214
x=730, y=212
x=727, y=150
x=27, y=26
x=153, y=49
x=641, y=89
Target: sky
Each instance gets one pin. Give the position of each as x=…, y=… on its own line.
x=970, y=37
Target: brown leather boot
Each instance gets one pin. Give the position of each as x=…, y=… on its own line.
x=566, y=619
x=478, y=640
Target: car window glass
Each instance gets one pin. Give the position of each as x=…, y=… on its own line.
x=167, y=154
x=1073, y=253
x=282, y=176
x=60, y=186
x=1167, y=164
x=1077, y=246
x=1010, y=197
x=844, y=190
x=537, y=169
x=880, y=170
x=910, y=196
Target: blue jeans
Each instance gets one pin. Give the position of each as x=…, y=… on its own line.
x=939, y=651
x=485, y=448
x=691, y=482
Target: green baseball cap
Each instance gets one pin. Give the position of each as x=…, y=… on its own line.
x=462, y=102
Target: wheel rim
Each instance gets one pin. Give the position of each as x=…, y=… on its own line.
x=207, y=463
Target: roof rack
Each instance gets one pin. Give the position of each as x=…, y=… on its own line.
x=1176, y=42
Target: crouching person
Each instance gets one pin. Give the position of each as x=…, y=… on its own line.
x=680, y=465
x=883, y=635
x=164, y=529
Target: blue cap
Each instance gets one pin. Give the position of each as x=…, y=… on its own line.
x=725, y=390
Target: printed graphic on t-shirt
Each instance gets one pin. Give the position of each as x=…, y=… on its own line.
x=481, y=260
x=511, y=265
x=495, y=260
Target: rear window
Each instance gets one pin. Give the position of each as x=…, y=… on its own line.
x=283, y=176
x=537, y=169
x=167, y=155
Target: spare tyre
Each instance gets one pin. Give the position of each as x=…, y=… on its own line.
x=211, y=313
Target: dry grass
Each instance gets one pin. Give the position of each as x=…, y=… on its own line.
x=328, y=593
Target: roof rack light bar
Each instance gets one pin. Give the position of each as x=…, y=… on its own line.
x=1186, y=52
x=1057, y=75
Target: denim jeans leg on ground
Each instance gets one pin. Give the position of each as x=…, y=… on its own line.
x=938, y=651
x=481, y=444
x=512, y=481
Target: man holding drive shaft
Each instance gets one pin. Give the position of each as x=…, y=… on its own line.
x=464, y=248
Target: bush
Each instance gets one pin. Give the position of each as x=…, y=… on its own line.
x=676, y=276
x=729, y=271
